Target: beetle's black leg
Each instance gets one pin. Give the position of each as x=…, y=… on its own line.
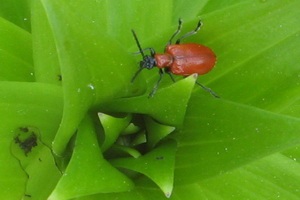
x=161, y=73
x=190, y=33
x=170, y=74
x=136, y=74
x=208, y=90
x=176, y=33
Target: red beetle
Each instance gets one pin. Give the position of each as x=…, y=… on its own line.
x=179, y=59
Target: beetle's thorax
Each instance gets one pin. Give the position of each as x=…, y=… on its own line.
x=163, y=60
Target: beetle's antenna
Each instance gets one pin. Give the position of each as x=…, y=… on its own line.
x=138, y=44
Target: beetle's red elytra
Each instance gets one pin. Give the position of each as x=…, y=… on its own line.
x=186, y=59
x=178, y=59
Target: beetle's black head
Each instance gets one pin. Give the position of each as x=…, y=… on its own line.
x=148, y=62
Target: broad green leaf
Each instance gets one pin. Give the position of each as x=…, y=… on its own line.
x=88, y=172
x=23, y=105
x=20, y=101
x=146, y=189
x=217, y=6
x=167, y=106
x=263, y=76
x=12, y=38
x=273, y=177
x=153, y=17
x=91, y=74
x=225, y=140
x=256, y=66
x=16, y=62
x=36, y=160
x=187, y=10
x=45, y=54
x=16, y=11
x=14, y=69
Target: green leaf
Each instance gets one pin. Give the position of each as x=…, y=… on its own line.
x=273, y=177
x=45, y=54
x=187, y=10
x=12, y=38
x=16, y=64
x=14, y=69
x=91, y=75
x=148, y=24
x=257, y=49
x=256, y=66
x=36, y=160
x=167, y=106
x=156, y=132
x=23, y=105
x=88, y=172
x=158, y=165
x=121, y=150
x=221, y=142
x=113, y=127
x=18, y=12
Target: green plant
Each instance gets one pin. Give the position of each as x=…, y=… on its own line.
x=65, y=84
